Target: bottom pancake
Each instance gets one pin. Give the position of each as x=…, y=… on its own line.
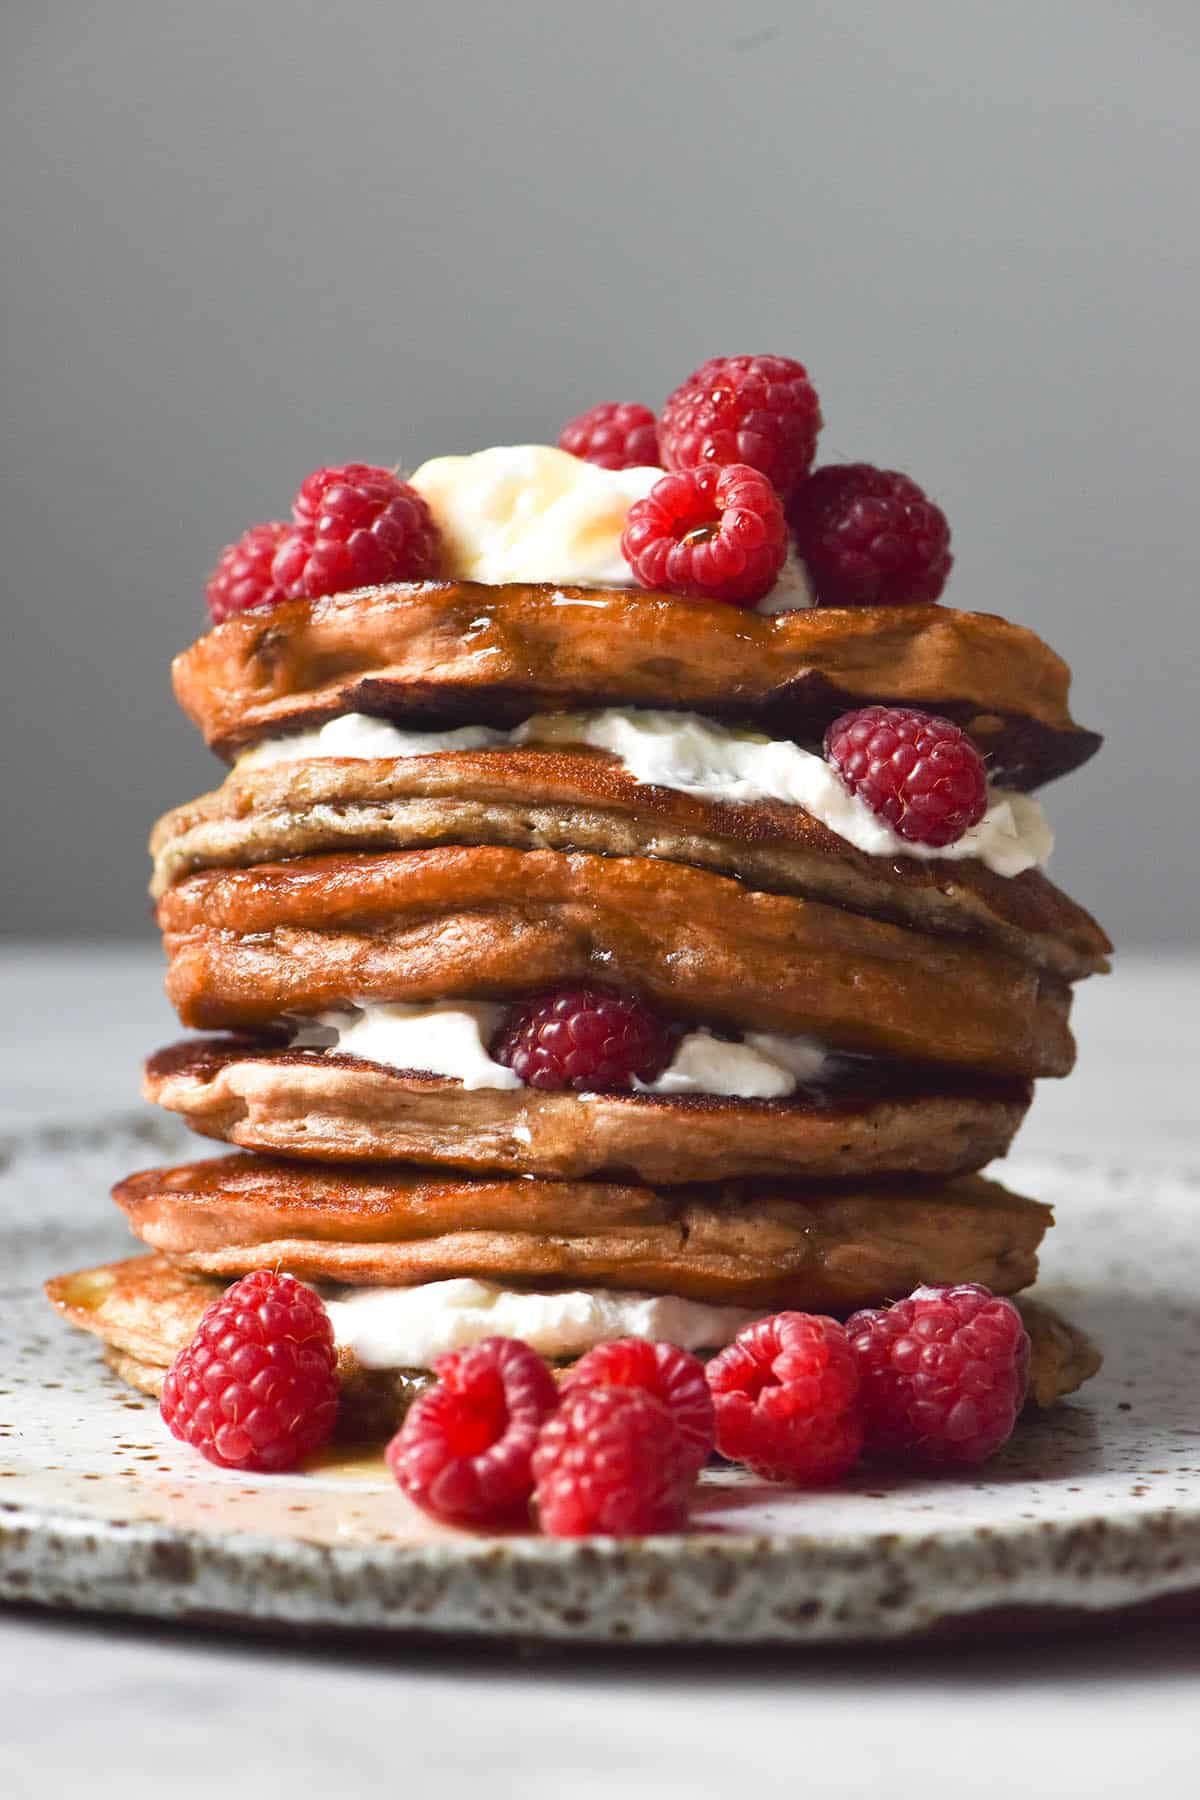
x=867, y=1118
x=762, y=1245
x=145, y=1311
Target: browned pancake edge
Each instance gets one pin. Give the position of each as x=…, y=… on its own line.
x=247, y=946
x=317, y=1105
x=817, y=1247
x=452, y=652
x=584, y=801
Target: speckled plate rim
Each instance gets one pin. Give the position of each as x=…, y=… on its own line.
x=725, y=1586
x=702, y=1588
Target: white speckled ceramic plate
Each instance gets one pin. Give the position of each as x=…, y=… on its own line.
x=1092, y=1507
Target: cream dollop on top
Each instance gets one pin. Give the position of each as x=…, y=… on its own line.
x=530, y=512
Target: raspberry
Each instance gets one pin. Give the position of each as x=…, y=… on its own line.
x=869, y=537
x=709, y=534
x=586, y=1038
x=761, y=410
x=670, y=1374
x=943, y=1374
x=611, y=1460
x=257, y=1386
x=356, y=526
x=918, y=772
x=786, y=1398
x=617, y=434
x=463, y=1450
x=242, y=577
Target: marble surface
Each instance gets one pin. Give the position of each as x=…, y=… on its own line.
x=129, y=1710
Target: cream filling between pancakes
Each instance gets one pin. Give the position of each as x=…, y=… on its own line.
x=693, y=755
x=394, y=1328
x=453, y=1038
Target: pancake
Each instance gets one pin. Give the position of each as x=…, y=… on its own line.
x=818, y=1248
x=869, y=1119
x=246, y=946
x=436, y=653
x=145, y=1311
x=584, y=801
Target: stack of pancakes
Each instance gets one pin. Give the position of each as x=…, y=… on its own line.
x=476, y=875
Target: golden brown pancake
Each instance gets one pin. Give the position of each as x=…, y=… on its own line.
x=817, y=1247
x=578, y=800
x=246, y=946
x=146, y=1311
x=866, y=1119
x=433, y=653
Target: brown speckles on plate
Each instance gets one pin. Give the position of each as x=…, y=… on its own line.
x=1093, y=1506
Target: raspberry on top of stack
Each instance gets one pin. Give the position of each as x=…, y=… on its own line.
x=624, y=915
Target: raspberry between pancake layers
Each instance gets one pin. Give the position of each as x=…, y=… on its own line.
x=567, y=985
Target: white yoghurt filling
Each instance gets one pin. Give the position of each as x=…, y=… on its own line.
x=764, y=1066
x=445, y=1038
x=694, y=755
x=406, y=1328
x=452, y=1038
x=532, y=512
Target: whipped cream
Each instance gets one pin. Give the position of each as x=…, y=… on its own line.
x=358, y=736
x=695, y=756
x=793, y=591
x=451, y=1037
x=405, y=1328
x=530, y=512
x=444, y=1038
x=764, y=1066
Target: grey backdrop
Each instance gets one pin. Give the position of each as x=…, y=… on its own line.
x=246, y=236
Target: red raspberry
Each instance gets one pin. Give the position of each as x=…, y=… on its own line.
x=709, y=534
x=761, y=410
x=617, y=434
x=257, y=1386
x=242, y=577
x=356, y=526
x=463, y=1450
x=869, y=537
x=670, y=1374
x=586, y=1038
x=920, y=773
x=786, y=1397
x=611, y=1460
x=943, y=1374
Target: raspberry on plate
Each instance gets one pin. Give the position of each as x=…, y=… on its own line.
x=920, y=773
x=587, y=1038
x=243, y=577
x=257, y=1386
x=943, y=1374
x=611, y=1461
x=463, y=1451
x=869, y=537
x=786, y=1399
x=760, y=410
x=672, y=1375
x=356, y=526
x=708, y=534
x=617, y=434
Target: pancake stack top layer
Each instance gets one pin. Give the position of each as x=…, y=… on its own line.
x=450, y=796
